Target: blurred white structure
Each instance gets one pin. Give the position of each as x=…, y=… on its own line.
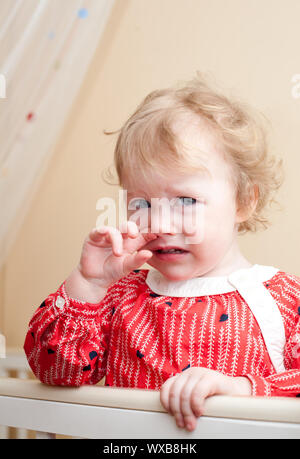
x=13, y=360
x=111, y=413
x=46, y=47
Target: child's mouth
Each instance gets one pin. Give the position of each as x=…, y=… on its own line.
x=170, y=254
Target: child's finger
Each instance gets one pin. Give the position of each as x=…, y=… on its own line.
x=186, y=410
x=165, y=392
x=136, y=260
x=133, y=239
x=129, y=229
x=179, y=420
x=199, y=393
x=171, y=394
x=108, y=235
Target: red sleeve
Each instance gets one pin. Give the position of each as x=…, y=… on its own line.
x=67, y=340
x=286, y=384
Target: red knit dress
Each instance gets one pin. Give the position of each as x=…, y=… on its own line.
x=137, y=337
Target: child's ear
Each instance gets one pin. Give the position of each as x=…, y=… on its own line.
x=245, y=212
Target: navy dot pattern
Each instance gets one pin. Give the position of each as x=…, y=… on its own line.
x=139, y=354
x=92, y=355
x=223, y=318
x=185, y=368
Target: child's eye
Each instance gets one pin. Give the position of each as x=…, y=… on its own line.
x=182, y=200
x=138, y=203
x=187, y=201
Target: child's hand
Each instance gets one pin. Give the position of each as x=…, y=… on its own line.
x=183, y=395
x=108, y=254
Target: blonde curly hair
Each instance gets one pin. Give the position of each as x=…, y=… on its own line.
x=147, y=140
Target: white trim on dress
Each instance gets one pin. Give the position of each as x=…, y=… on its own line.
x=249, y=283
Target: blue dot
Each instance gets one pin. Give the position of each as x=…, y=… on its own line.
x=51, y=35
x=223, y=318
x=185, y=368
x=83, y=13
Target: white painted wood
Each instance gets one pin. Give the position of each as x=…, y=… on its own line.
x=3, y=432
x=44, y=436
x=14, y=360
x=22, y=374
x=111, y=413
x=279, y=409
x=87, y=421
x=3, y=374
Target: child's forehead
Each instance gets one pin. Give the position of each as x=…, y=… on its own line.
x=203, y=171
x=172, y=182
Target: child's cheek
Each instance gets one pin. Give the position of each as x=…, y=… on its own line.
x=194, y=224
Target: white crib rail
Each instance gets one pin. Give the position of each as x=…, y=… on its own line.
x=112, y=413
x=14, y=361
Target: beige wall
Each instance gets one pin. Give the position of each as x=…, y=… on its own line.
x=251, y=47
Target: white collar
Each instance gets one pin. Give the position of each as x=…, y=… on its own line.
x=201, y=286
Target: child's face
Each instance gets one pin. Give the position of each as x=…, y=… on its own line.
x=216, y=235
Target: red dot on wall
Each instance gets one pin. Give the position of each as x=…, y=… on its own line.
x=30, y=116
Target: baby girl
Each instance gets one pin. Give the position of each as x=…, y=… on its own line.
x=204, y=320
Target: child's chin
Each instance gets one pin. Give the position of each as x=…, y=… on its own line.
x=172, y=275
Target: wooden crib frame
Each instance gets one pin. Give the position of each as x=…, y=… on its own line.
x=113, y=413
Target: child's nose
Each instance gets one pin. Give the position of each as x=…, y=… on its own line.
x=163, y=224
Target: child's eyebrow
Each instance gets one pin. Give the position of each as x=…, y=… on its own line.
x=175, y=191
x=135, y=192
